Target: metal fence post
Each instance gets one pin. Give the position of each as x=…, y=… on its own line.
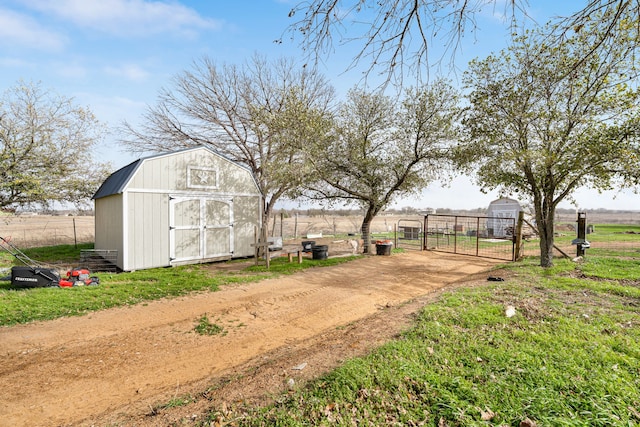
x=478, y=236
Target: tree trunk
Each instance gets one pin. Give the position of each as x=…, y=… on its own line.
x=266, y=213
x=546, y=245
x=267, y=208
x=546, y=220
x=366, y=228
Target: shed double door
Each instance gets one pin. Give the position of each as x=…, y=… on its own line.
x=200, y=228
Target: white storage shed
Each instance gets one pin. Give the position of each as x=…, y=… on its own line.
x=184, y=207
x=502, y=214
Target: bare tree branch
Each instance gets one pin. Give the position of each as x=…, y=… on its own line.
x=396, y=36
x=258, y=114
x=614, y=17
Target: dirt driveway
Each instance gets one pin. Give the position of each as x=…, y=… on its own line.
x=117, y=366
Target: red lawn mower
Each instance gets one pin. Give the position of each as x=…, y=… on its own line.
x=36, y=275
x=78, y=276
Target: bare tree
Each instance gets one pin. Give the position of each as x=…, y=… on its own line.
x=257, y=114
x=380, y=151
x=45, y=149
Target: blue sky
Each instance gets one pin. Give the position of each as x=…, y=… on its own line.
x=113, y=56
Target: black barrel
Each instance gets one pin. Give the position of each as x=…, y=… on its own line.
x=307, y=245
x=383, y=248
x=320, y=252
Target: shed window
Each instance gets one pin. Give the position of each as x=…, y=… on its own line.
x=199, y=177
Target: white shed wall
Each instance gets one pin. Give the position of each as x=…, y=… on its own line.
x=109, y=225
x=147, y=237
x=502, y=208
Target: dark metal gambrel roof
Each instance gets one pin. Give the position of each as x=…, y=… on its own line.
x=117, y=181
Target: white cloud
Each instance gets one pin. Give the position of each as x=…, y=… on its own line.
x=14, y=63
x=110, y=108
x=70, y=70
x=20, y=31
x=128, y=71
x=128, y=17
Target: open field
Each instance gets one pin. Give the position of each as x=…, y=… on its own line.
x=47, y=230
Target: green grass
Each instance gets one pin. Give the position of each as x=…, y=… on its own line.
x=612, y=268
x=205, y=327
x=619, y=230
x=569, y=357
x=47, y=254
x=176, y=402
x=26, y=305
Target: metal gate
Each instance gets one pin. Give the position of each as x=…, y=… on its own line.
x=488, y=237
x=409, y=234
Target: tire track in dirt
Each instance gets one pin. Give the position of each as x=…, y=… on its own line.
x=75, y=370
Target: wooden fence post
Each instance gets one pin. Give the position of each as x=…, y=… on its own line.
x=261, y=245
x=518, y=253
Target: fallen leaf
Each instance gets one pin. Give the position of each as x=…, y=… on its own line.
x=487, y=415
x=528, y=423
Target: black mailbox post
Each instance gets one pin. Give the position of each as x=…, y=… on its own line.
x=581, y=240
